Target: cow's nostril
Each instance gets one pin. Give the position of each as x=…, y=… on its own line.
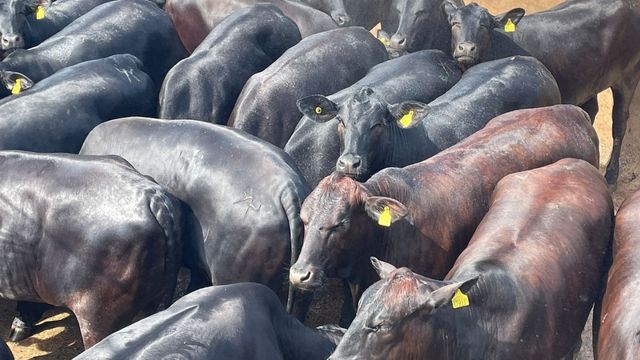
x=402, y=41
x=472, y=48
x=356, y=163
x=306, y=277
x=460, y=47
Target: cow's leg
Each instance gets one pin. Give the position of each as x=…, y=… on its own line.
x=29, y=313
x=100, y=314
x=591, y=107
x=622, y=96
x=574, y=351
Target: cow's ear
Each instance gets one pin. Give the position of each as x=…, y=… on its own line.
x=385, y=210
x=408, y=114
x=384, y=38
x=443, y=295
x=382, y=268
x=15, y=81
x=515, y=15
x=318, y=108
x=449, y=9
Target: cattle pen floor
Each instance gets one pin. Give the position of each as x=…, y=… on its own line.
x=58, y=336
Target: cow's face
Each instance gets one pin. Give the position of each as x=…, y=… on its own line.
x=471, y=27
x=366, y=126
x=12, y=19
x=337, y=219
x=416, y=19
x=395, y=316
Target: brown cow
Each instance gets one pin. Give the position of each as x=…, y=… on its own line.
x=619, y=330
x=436, y=203
x=526, y=282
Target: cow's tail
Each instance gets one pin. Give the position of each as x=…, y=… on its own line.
x=292, y=204
x=167, y=211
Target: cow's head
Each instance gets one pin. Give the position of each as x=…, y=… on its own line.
x=339, y=217
x=419, y=26
x=366, y=126
x=13, y=16
x=14, y=82
x=395, y=318
x=471, y=27
x=335, y=8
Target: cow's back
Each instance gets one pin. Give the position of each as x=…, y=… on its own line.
x=267, y=108
x=57, y=113
x=206, y=85
x=245, y=193
x=617, y=334
x=540, y=251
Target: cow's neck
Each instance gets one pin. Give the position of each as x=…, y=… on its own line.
x=300, y=342
x=407, y=146
x=473, y=332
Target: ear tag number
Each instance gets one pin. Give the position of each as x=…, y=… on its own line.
x=406, y=120
x=385, y=217
x=40, y=12
x=509, y=26
x=318, y=110
x=459, y=300
x=17, y=87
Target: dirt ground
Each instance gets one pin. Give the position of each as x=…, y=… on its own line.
x=58, y=336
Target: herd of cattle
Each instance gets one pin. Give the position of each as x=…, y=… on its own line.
x=292, y=146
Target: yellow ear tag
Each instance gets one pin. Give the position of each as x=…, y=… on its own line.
x=509, y=26
x=384, y=41
x=318, y=110
x=459, y=300
x=385, y=217
x=40, y=12
x=17, y=87
x=406, y=120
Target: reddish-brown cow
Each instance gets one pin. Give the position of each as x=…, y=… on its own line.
x=618, y=336
x=527, y=280
x=437, y=203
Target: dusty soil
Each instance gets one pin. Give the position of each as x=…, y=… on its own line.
x=58, y=336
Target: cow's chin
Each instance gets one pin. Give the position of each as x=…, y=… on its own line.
x=357, y=176
x=465, y=62
x=393, y=53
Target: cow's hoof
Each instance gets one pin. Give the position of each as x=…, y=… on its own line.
x=19, y=330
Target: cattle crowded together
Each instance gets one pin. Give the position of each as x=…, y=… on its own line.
x=187, y=176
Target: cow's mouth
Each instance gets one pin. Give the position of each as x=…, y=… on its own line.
x=466, y=61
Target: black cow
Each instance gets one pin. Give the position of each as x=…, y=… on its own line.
x=240, y=321
x=320, y=64
x=614, y=317
x=376, y=133
x=588, y=45
x=244, y=195
x=5, y=353
x=88, y=233
x=205, y=86
x=315, y=144
x=423, y=215
x=194, y=19
x=57, y=113
x=418, y=25
x=522, y=289
x=137, y=27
